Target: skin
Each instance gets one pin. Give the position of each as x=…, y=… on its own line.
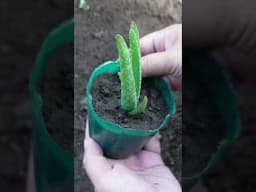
x=143, y=172
x=229, y=23
x=162, y=54
x=228, y=30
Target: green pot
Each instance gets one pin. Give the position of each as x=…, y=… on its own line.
x=206, y=70
x=54, y=167
x=116, y=141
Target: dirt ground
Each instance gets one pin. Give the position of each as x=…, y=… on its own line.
x=95, y=43
x=23, y=28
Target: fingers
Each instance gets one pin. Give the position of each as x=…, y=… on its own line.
x=162, y=63
x=95, y=163
x=153, y=145
x=162, y=52
x=152, y=43
x=161, y=40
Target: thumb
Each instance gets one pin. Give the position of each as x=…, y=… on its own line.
x=162, y=63
x=153, y=144
x=94, y=162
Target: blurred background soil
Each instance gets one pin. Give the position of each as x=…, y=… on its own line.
x=95, y=32
x=24, y=25
x=237, y=170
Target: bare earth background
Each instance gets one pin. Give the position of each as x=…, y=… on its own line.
x=24, y=25
x=95, y=43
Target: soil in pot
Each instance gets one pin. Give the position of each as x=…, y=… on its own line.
x=106, y=101
x=57, y=91
x=202, y=126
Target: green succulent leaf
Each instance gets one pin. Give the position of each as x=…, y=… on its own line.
x=141, y=107
x=135, y=56
x=130, y=72
x=128, y=90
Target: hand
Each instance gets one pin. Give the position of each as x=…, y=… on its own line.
x=143, y=172
x=162, y=54
x=230, y=23
x=228, y=29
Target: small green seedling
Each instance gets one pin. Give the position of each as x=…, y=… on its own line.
x=82, y=4
x=130, y=72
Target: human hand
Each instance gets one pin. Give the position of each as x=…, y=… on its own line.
x=143, y=172
x=228, y=29
x=162, y=54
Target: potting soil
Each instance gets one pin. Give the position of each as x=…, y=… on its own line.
x=106, y=95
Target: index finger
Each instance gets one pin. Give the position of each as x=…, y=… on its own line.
x=152, y=43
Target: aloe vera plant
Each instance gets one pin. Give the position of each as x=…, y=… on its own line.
x=130, y=72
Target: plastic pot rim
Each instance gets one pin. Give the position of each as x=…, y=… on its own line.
x=112, y=67
x=232, y=125
x=63, y=34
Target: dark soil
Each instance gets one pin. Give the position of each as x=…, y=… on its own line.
x=25, y=24
x=58, y=97
x=95, y=43
x=202, y=127
x=171, y=139
x=106, y=100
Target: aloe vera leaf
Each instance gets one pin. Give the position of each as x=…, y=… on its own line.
x=128, y=91
x=135, y=56
x=133, y=25
x=141, y=107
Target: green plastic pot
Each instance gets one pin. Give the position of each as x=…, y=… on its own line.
x=54, y=167
x=204, y=68
x=116, y=141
